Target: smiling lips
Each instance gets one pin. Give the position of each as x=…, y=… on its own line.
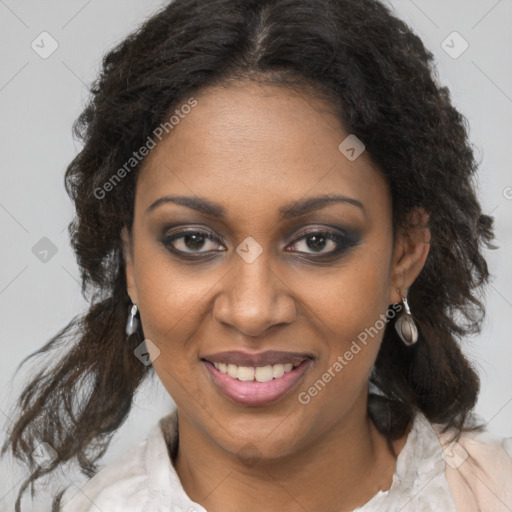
x=269, y=357
x=256, y=379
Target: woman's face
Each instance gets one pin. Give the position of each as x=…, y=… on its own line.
x=259, y=264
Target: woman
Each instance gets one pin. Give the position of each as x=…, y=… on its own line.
x=275, y=212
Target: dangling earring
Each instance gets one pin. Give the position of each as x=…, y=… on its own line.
x=132, y=322
x=405, y=326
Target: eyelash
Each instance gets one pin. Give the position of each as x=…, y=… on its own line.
x=344, y=242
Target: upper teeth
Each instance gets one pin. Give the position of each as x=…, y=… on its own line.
x=259, y=373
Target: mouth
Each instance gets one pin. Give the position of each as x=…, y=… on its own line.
x=257, y=385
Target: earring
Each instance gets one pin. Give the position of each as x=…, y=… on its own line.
x=405, y=326
x=132, y=322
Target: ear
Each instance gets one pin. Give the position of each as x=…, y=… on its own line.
x=411, y=248
x=127, y=241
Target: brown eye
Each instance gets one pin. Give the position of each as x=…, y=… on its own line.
x=191, y=242
x=324, y=243
x=317, y=242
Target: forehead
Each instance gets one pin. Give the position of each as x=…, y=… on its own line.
x=253, y=147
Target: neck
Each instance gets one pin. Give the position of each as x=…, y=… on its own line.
x=340, y=471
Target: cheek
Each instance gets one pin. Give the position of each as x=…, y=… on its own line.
x=351, y=297
x=350, y=310
x=170, y=307
x=170, y=300
x=171, y=304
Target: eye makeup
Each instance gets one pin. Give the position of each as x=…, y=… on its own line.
x=316, y=243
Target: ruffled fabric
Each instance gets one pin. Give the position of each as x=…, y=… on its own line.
x=419, y=483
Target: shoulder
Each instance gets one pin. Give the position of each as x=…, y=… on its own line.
x=133, y=482
x=123, y=478
x=478, y=470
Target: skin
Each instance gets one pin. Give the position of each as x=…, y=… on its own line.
x=254, y=148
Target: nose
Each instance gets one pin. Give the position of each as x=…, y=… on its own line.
x=254, y=298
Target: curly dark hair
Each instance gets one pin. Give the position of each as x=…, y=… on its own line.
x=383, y=86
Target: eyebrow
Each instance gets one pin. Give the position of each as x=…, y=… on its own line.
x=290, y=210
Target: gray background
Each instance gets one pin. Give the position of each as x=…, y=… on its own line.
x=40, y=99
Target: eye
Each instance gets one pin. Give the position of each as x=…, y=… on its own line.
x=194, y=242
x=191, y=242
x=324, y=243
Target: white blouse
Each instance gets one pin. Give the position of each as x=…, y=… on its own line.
x=145, y=480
